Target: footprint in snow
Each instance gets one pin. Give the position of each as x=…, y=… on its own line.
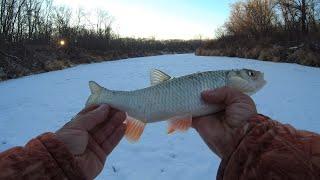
x=172, y=155
x=114, y=169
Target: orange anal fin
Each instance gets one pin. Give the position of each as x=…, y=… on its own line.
x=179, y=123
x=134, y=129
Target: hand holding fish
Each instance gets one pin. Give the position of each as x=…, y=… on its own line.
x=219, y=129
x=224, y=116
x=91, y=136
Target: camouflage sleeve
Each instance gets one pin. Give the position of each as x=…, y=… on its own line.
x=42, y=158
x=268, y=149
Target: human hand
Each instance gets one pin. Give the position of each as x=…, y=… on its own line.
x=91, y=136
x=219, y=130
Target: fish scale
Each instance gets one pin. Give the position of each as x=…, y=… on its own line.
x=178, y=99
x=174, y=97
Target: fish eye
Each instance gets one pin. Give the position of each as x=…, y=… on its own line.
x=250, y=73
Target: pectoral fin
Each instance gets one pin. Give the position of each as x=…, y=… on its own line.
x=179, y=123
x=134, y=129
x=157, y=76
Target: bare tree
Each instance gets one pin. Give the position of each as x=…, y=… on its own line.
x=260, y=17
x=299, y=15
x=62, y=21
x=251, y=17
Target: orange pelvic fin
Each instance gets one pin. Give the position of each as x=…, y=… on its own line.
x=179, y=123
x=134, y=129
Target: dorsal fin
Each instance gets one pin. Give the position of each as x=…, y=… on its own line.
x=157, y=76
x=94, y=87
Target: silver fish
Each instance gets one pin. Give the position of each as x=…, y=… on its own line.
x=174, y=99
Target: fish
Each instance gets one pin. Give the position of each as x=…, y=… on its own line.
x=173, y=99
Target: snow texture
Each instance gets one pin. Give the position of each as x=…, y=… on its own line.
x=39, y=103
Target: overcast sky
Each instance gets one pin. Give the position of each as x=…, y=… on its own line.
x=162, y=19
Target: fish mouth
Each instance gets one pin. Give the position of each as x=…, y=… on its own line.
x=262, y=84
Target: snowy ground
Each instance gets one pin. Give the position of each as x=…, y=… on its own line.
x=35, y=104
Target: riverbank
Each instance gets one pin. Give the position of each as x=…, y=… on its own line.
x=35, y=59
x=304, y=52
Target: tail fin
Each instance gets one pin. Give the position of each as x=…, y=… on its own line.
x=95, y=88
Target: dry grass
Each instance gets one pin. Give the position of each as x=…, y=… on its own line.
x=305, y=52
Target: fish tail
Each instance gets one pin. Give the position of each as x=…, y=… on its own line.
x=96, y=91
x=95, y=88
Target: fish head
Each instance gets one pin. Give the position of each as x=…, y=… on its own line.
x=246, y=80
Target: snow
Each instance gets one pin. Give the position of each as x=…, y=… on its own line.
x=39, y=103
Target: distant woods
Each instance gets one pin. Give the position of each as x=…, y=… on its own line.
x=39, y=22
x=255, y=18
x=36, y=36
x=276, y=30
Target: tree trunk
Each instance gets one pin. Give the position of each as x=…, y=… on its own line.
x=303, y=17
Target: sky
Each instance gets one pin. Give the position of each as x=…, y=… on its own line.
x=160, y=19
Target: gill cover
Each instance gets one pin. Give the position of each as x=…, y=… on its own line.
x=246, y=80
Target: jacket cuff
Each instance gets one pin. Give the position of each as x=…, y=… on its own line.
x=62, y=156
x=240, y=136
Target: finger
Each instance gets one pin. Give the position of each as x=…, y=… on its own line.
x=196, y=122
x=106, y=130
x=110, y=143
x=88, y=108
x=112, y=112
x=75, y=119
x=206, y=120
x=239, y=106
x=95, y=117
x=97, y=150
x=224, y=95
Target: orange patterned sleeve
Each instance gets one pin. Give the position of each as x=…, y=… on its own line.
x=42, y=158
x=268, y=149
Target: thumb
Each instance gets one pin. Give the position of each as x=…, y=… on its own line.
x=224, y=95
x=95, y=117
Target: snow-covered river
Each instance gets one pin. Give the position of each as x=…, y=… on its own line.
x=35, y=104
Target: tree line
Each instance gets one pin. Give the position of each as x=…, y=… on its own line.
x=292, y=19
x=269, y=30
x=40, y=22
